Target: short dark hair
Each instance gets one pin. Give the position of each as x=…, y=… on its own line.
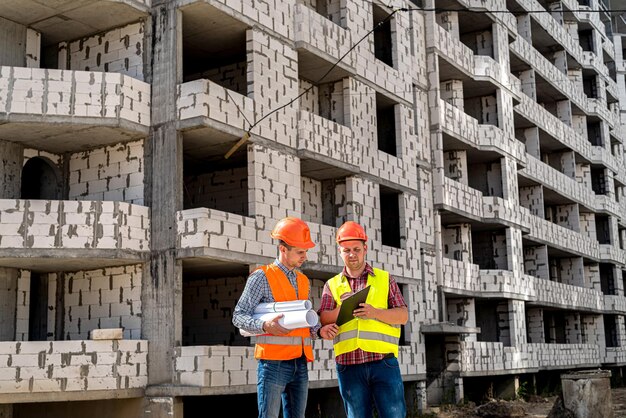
x=284, y=244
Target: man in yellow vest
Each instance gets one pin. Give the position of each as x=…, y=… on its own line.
x=282, y=353
x=366, y=348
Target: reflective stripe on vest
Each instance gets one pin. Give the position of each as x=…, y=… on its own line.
x=274, y=339
x=297, y=341
x=367, y=334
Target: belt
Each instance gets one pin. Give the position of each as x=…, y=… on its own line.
x=388, y=355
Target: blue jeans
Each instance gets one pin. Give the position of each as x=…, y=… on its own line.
x=374, y=384
x=282, y=379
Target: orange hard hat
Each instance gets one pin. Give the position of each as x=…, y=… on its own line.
x=351, y=231
x=293, y=231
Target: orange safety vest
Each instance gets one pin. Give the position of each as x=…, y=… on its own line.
x=297, y=341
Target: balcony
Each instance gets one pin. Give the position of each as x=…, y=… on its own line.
x=36, y=234
x=598, y=107
x=615, y=356
x=321, y=139
x=557, y=79
x=506, y=284
x=611, y=253
x=68, y=111
x=72, y=370
x=322, y=38
x=507, y=19
x=489, y=358
x=546, y=232
x=215, y=370
x=460, y=277
x=59, y=21
x=507, y=212
x=213, y=108
x=212, y=233
x=567, y=136
x=559, y=182
x=601, y=155
x=460, y=125
x=565, y=296
x=606, y=204
x=460, y=198
x=615, y=304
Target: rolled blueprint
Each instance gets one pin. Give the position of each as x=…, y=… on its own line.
x=290, y=319
x=292, y=305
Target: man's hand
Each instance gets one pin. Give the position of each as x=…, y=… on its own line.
x=273, y=327
x=328, y=332
x=366, y=311
x=345, y=296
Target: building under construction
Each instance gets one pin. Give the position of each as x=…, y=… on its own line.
x=148, y=147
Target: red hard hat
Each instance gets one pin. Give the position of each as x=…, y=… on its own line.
x=351, y=231
x=293, y=231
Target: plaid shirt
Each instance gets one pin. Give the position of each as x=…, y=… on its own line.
x=257, y=291
x=394, y=300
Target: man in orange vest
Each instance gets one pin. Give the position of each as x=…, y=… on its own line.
x=282, y=353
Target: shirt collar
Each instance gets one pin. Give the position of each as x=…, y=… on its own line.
x=368, y=271
x=284, y=268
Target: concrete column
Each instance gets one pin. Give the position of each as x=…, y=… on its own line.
x=11, y=163
x=535, y=326
x=161, y=286
x=517, y=322
x=524, y=25
x=421, y=397
x=529, y=87
x=514, y=251
x=510, y=189
x=163, y=407
x=568, y=164
x=8, y=303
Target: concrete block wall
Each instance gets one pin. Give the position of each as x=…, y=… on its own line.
x=232, y=77
x=273, y=79
x=46, y=224
x=71, y=366
x=108, y=173
x=457, y=242
x=103, y=298
x=567, y=296
x=120, y=50
x=325, y=33
x=274, y=184
x=534, y=325
x=92, y=94
x=207, y=311
x=536, y=262
x=225, y=190
x=312, y=202
x=461, y=275
x=204, y=98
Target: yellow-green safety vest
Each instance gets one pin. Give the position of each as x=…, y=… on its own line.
x=367, y=334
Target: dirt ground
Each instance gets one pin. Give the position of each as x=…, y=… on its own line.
x=537, y=407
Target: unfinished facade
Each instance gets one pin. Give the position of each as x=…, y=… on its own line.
x=481, y=150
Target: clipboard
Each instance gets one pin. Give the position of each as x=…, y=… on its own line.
x=350, y=304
